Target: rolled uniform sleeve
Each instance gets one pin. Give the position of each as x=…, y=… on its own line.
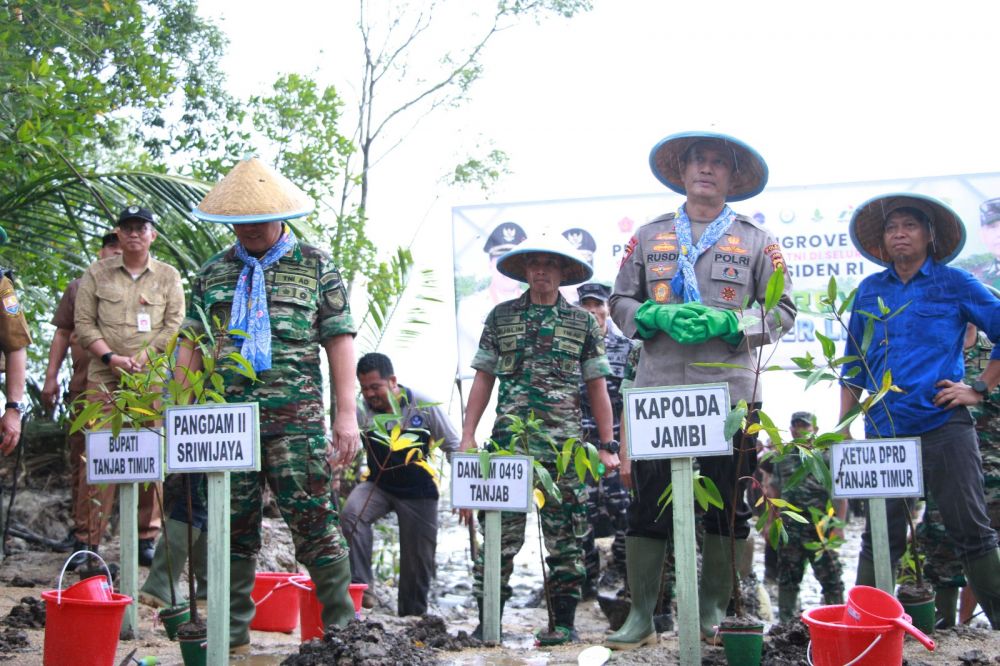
x=594, y=361
x=487, y=356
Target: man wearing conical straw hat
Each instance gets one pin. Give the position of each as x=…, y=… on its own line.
x=541, y=349
x=291, y=302
x=931, y=303
x=682, y=286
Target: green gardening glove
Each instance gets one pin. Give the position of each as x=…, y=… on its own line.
x=674, y=319
x=720, y=324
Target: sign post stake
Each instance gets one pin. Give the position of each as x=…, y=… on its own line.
x=877, y=469
x=686, y=564
x=491, y=579
x=128, y=535
x=218, y=567
x=880, y=544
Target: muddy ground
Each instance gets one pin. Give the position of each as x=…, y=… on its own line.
x=381, y=638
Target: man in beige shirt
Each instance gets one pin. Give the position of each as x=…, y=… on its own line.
x=126, y=307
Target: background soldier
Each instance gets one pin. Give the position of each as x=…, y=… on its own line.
x=989, y=231
x=607, y=500
x=541, y=348
x=793, y=556
x=291, y=301
x=942, y=567
x=14, y=341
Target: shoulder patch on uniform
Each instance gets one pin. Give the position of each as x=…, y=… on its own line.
x=629, y=249
x=11, y=305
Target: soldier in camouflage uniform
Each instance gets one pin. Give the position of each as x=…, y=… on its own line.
x=607, y=501
x=541, y=347
x=942, y=568
x=989, y=231
x=291, y=301
x=793, y=556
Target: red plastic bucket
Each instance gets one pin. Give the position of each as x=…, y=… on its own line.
x=833, y=643
x=95, y=588
x=310, y=609
x=277, y=602
x=871, y=606
x=75, y=625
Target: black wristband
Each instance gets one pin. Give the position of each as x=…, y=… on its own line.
x=106, y=358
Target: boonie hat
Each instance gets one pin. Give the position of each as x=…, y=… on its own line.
x=868, y=225
x=749, y=168
x=575, y=270
x=253, y=192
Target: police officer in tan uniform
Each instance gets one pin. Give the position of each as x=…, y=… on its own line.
x=681, y=287
x=14, y=340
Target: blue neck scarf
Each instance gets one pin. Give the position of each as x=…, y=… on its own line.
x=685, y=282
x=250, y=313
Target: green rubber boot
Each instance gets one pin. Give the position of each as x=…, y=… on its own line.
x=788, y=604
x=983, y=575
x=199, y=562
x=332, y=582
x=242, y=575
x=644, y=563
x=165, y=572
x=866, y=572
x=945, y=606
x=716, y=587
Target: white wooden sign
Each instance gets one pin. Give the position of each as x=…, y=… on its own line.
x=507, y=489
x=213, y=438
x=869, y=468
x=677, y=421
x=134, y=456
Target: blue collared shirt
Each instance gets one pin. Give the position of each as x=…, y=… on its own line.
x=920, y=345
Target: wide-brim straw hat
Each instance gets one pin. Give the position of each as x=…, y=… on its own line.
x=575, y=269
x=868, y=224
x=749, y=172
x=253, y=192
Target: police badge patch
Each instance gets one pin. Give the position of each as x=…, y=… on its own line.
x=416, y=421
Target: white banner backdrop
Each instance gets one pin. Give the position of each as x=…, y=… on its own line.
x=811, y=223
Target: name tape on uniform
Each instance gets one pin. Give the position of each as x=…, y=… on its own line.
x=213, y=438
x=507, y=489
x=869, y=468
x=133, y=456
x=677, y=421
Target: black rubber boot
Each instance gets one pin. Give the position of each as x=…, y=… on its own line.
x=564, y=616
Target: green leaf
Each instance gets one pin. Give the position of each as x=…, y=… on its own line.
x=775, y=289
x=706, y=488
x=545, y=479
x=734, y=420
x=484, y=464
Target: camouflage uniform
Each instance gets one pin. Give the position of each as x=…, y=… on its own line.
x=540, y=354
x=943, y=567
x=793, y=556
x=308, y=306
x=607, y=500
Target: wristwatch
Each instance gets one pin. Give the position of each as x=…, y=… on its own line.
x=980, y=387
x=106, y=358
x=19, y=406
x=611, y=447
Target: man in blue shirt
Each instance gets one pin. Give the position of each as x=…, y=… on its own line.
x=917, y=336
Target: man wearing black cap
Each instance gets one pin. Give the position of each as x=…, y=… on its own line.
x=607, y=503
x=14, y=340
x=63, y=342
x=989, y=231
x=127, y=306
x=682, y=286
